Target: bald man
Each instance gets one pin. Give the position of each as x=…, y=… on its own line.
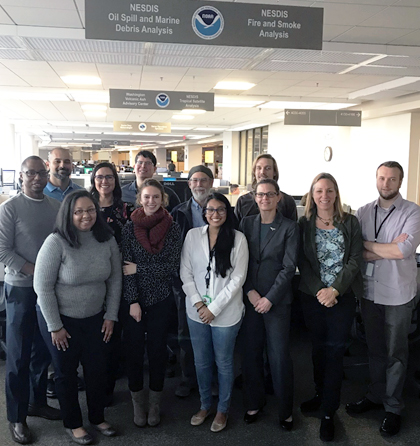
x=60, y=166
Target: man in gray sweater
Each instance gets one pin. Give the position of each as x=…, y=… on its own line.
x=25, y=222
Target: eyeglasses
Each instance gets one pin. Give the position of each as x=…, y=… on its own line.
x=221, y=211
x=104, y=177
x=33, y=173
x=90, y=211
x=199, y=180
x=144, y=163
x=267, y=194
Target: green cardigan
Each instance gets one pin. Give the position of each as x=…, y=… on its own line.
x=350, y=276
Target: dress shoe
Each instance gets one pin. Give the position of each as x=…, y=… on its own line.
x=107, y=431
x=311, y=405
x=217, y=427
x=286, y=425
x=199, y=417
x=362, y=406
x=86, y=439
x=251, y=418
x=391, y=424
x=47, y=412
x=20, y=433
x=327, y=429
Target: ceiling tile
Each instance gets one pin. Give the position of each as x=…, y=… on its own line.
x=364, y=34
x=392, y=17
x=55, y=4
x=36, y=16
x=412, y=38
x=331, y=32
x=5, y=19
x=347, y=14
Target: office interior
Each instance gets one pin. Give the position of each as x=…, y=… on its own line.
x=370, y=61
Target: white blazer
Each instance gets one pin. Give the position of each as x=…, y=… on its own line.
x=226, y=293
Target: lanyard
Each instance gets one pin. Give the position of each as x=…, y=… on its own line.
x=377, y=231
x=211, y=254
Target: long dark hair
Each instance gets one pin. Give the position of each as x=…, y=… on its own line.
x=116, y=193
x=64, y=223
x=225, y=238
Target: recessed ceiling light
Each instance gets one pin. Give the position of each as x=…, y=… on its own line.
x=183, y=117
x=193, y=111
x=81, y=80
x=95, y=114
x=231, y=85
x=94, y=107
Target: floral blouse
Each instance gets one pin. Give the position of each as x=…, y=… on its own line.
x=330, y=253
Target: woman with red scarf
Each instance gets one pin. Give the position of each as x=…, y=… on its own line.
x=151, y=247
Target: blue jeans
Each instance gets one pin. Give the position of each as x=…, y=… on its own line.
x=210, y=345
x=27, y=357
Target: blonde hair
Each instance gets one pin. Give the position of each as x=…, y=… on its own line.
x=310, y=206
x=151, y=182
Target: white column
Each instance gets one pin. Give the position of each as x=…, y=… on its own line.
x=231, y=156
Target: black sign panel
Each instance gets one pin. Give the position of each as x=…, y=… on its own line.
x=160, y=100
x=205, y=23
x=349, y=118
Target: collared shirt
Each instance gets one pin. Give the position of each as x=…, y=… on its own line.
x=55, y=192
x=197, y=214
x=393, y=282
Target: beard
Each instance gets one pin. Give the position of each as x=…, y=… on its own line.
x=62, y=174
x=199, y=197
x=390, y=196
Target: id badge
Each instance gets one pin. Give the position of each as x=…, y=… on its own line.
x=207, y=300
x=369, y=269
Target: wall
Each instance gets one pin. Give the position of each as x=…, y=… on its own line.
x=231, y=156
x=193, y=156
x=357, y=152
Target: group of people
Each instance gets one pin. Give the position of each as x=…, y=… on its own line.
x=102, y=271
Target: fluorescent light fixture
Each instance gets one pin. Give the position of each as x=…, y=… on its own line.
x=90, y=96
x=246, y=127
x=383, y=87
x=364, y=63
x=168, y=142
x=281, y=105
x=210, y=129
x=193, y=111
x=183, y=117
x=235, y=103
x=81, y=80
x=337, y=105
x=32, y=96
x=94, y=107
x=95, y=114
x=180, y=127
x=232, y=85
x=198, y=136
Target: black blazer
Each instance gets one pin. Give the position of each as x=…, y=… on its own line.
x=273, y=264
x=350, y=276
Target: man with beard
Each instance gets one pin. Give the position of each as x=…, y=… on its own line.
x=189, y=215
x=264, y=166
x=391, y=230
x=25, y=222
x=60, y=165
x=145, y=167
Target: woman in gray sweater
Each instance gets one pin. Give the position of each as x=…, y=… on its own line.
x=78, y=283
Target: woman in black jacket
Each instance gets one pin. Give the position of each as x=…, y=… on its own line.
x=329, y=263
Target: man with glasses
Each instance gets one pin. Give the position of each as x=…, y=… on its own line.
x=60, y=166
x=264, y=166
x=189, y=215
x=25, y=222
x=144, y=168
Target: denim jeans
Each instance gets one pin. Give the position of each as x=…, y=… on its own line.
x=210, y=345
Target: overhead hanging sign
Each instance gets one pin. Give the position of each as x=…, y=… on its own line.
x=349, y=118
x=146, y=127
x=160, y=100
x=205, y=23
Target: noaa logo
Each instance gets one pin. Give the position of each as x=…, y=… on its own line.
x=162, y=100
x=207, y=22
x=142, y=127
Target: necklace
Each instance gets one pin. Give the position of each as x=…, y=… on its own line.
x=325, y=221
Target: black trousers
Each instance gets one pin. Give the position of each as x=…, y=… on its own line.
x=329, y=329
x=86, y=346
x=154, y=322
x=271, y=329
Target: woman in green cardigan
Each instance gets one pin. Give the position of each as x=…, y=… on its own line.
x=329, y=263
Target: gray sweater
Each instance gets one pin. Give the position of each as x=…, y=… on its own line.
x=78, y=282
x=24, y=225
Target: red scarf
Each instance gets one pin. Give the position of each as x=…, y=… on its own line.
x=151, y=230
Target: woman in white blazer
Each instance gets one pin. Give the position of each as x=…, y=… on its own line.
x=214, y=265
